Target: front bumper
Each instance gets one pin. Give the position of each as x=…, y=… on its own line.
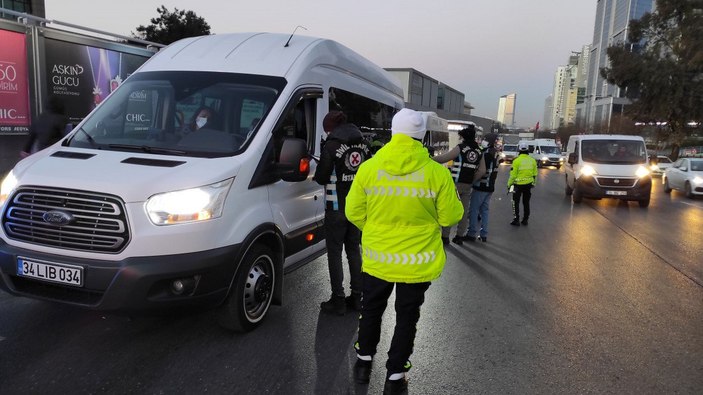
x=640, y=189
x=131, y=285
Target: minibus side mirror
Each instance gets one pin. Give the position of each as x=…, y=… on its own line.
x=294, y=162
x=573, y=158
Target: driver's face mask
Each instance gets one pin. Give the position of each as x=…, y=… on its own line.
x=484, y=144
x=200, y=121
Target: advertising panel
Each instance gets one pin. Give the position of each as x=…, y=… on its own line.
x=82, y=76
x=14, y=87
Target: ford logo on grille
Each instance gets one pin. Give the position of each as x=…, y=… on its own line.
x=56, y=217
x=616, y=181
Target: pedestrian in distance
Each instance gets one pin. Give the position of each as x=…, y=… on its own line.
x=50, y=127
x=523, y=177
x=344, y=150
x=400, y=200
x=467, y=168
x=482, y=191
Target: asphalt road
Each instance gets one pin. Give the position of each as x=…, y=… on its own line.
x=601, y=297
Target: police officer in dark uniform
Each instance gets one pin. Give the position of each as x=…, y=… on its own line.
x=468, y=167
x=344, y=150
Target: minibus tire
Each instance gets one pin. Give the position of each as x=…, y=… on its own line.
x=567, y=190
x=643, y=203
x=667, y=188
x=252, y=291
x=576, y=196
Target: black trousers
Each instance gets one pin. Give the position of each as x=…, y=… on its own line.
x=408, y=299
x=524, y=192
x=342, y=234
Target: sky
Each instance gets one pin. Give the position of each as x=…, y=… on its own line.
x=483, y=48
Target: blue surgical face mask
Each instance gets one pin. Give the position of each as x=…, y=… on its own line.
x=200, y=121
x=484, y=144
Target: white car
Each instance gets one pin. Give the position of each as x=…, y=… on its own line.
x=663, y=163
x=686, y=174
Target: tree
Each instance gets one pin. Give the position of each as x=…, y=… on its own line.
x=172, y=26
x=660, y=68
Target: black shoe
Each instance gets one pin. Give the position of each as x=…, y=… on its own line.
x=353, y=302
x=458, y=240
x=469, y=238
x=515, y=222
x=336, y=305
x=524, y=221
x=362, y=371
x=484, y=239
x=445, y=240
x=395, y=387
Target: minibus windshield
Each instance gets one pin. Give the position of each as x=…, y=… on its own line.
x=614, y=151
x=202, y=114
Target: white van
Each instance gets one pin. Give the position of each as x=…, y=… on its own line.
x=546, y=152
x=137, y=210
x=608, y=166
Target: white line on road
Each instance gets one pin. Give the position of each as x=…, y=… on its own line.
x=691, y=204
x=1, y=338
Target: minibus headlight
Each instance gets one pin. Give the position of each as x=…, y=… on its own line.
x=545, y=159
x=189, y=205
x=588, y=171
x=654, y=168
x=8, y=185
x=642, y=172
x=697, y=180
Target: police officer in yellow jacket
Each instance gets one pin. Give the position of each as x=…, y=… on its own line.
x=523, y=176
x=400, y=199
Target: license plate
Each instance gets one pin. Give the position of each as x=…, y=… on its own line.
x=52, y=272
x=616, y=193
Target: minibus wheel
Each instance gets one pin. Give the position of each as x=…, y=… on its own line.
x=252, y=291
x=667, y=188
x=567, y=189
x=576, y=196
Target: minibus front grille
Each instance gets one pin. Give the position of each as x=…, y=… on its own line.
x=92, y=222
x=616, y=182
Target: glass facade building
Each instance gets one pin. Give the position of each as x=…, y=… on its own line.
x=603, y=100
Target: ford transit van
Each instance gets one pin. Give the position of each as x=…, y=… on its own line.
x=608, y=166
x=152, y=203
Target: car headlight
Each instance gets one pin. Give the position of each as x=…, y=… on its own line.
x=588, y=171
x=642, y=172
x=8, y=185
x=654, y=168
x=502, y=154
x=545, y=159
x=189, y=205
x=697, y=180
x=561, y=159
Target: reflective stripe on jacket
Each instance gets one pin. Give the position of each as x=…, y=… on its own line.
x=400, y=199
x=523, y=170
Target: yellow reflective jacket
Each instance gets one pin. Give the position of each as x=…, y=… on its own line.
x=523, y=171
x=400, y=199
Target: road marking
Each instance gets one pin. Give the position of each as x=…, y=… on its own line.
x=691, y=204
x=1, y=338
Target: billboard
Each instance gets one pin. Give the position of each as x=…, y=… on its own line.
x=83, y=76
x=15, y=117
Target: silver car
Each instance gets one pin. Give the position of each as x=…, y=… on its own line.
x=686, y=175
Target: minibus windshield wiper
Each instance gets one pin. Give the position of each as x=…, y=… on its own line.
x=146, y=148
x=90, y=138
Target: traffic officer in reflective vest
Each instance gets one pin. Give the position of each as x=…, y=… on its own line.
x=468, y=167
x=523, y=177
x=400, y=199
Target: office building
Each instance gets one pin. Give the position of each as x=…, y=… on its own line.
x=506, y=110
x=602, y=99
